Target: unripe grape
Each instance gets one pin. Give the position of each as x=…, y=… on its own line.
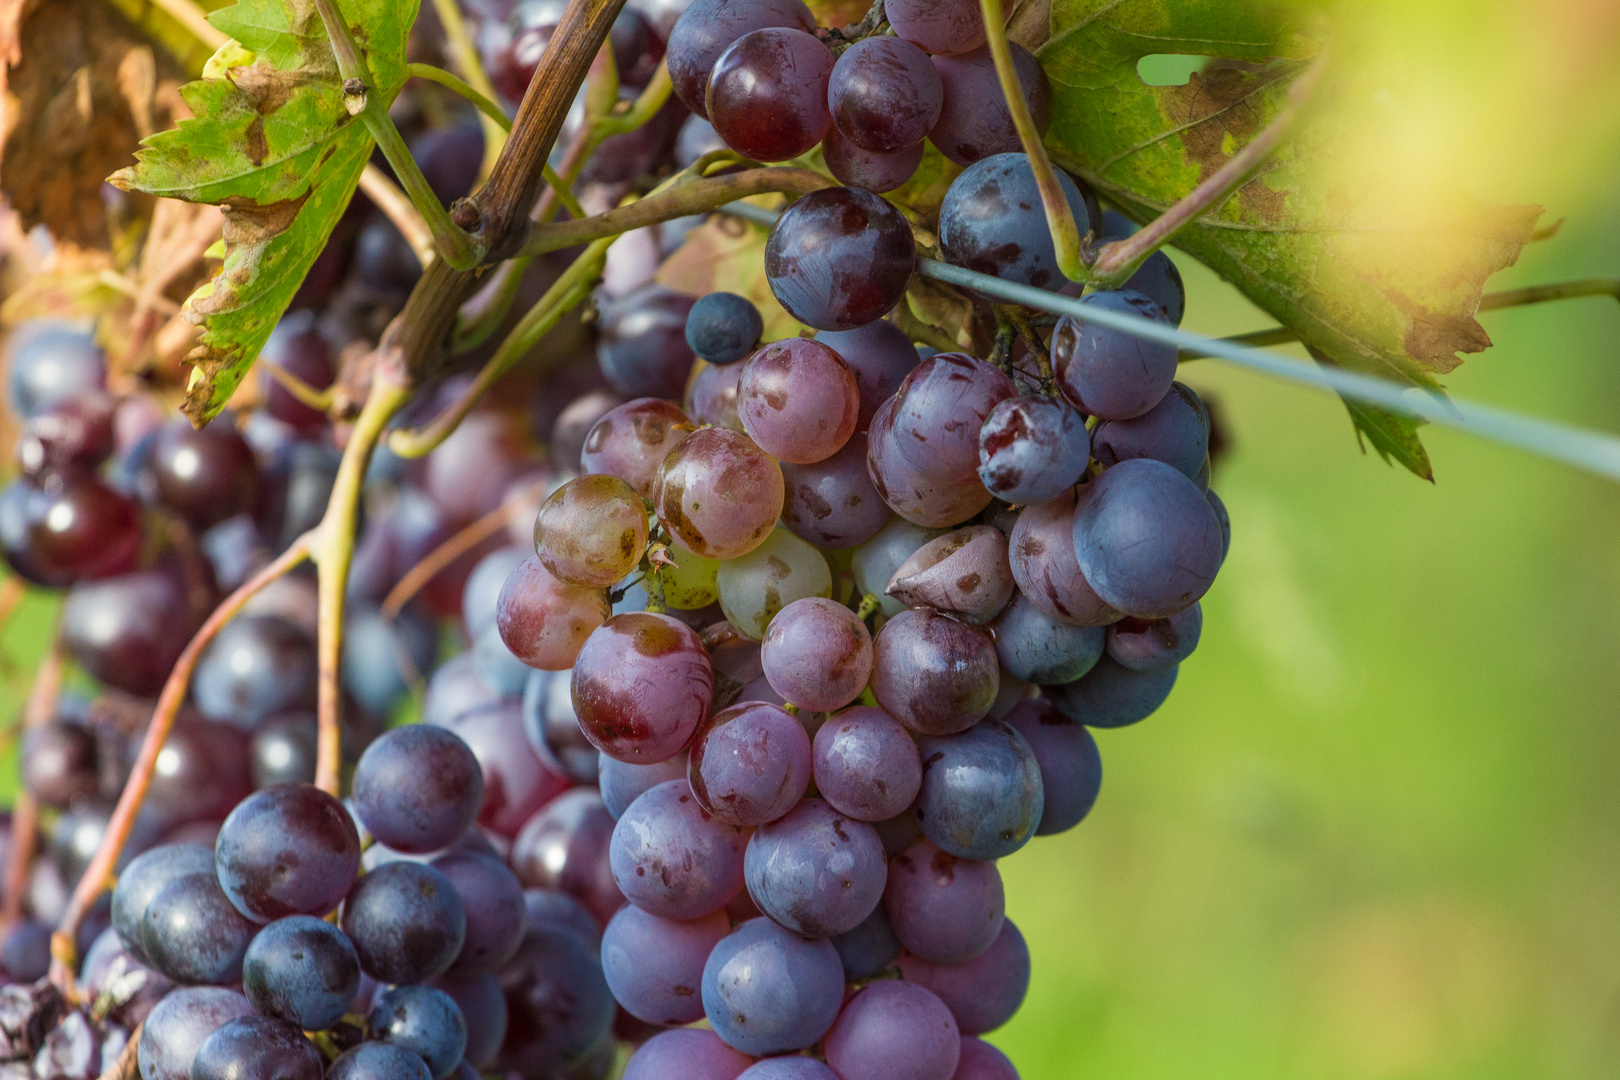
x=592, y=531
x=690, y=583
x=718, y=494
x=875, y=561
x=754, y=587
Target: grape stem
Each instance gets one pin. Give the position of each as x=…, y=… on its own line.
x=431, y=564
x=195, y=19
x=1059, y=219
x=320, y=400
x=459, y=248
x=64, y=950
x=1118, y=260
x=127, y=1065
x=868, y=606
x=398, y=208
x=37, y=712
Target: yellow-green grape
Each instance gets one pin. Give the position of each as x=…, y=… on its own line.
x=690, y=583
x=756, y=586
x=592, y=531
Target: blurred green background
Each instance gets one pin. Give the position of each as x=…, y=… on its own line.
x=1375, y=833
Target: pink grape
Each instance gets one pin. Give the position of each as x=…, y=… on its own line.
x=866, y=764
x=749, y=764
x=719, y=494
x=893, y=1030
x=944, y=909
x=817, y=654
x=832, y=503
x=591, y=531
x=943, y=27
x=798, y=400
x=642, y=684
x=631, y=442
x=544, y=621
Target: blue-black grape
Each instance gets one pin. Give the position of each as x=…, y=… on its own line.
x=1157, y=278
x=1156, y=644
x=1032, y=449
x=1146, y=539
x=655, y=966
x=1039, y=649
x=257, y=1048
x=815, y=871
x=407, y=922
x=1107, y=372
x=944, y=909
x=285, y=749
x=1112, y=695
x=378, y=1061
x=290, y=849
x=423, y=1020
x=302, y=970
x=145, y=876
x=1222, y=517
x=672, y=859
x=938, y=412
x=129, y=630
x=981, y=794
x=492, y=898
x=204, y=474
x=787, y=1068
x=257, y=666
x=686, y=1054
x=179, y=1025
x=870, y=949
x=192, y=933
x=984, y=992
x=559, y=1004
x=992, y=221
x=723, y=327
x=767, y=990
x=483, y=1007
x=892, y=1030
x=840, y=258
x=418, y=788
x=1175, y=431
x=1071, y=767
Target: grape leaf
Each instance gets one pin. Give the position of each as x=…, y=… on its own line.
x=1377, y=270
x=273, y=145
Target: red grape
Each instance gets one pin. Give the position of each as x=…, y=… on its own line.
x=798, y=400
x=884, y=94
x=767, y=95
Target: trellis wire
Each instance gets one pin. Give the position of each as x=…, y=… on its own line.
x=1591, y=450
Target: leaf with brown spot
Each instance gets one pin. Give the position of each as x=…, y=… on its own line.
x=274, y=147
x=1378, y=269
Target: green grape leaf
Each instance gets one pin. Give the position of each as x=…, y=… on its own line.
x=1375, y=268
x=272, y=144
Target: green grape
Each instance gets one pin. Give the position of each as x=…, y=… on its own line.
x=875, y=561
x=756, y=586
x=690, y=583
x=592, y=531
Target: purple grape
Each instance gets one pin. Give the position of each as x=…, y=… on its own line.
x=565, y=846
x=553, y=729
x=49, y=362
x=870, y=949
x=180, y=1024
x=622, y=783
x=939, y=410
x=672, y=859
x=655, y=966
x=981, y=792
x=483, y=1008
x=981, y=1061
x=425, y=1021
x=984, y=992
x=558, y=1004
x=711, y=395
x=146, y=875
x=873, y=172
x=749, y=764
x=1219, y=507
x=1041, y=553
x=908, y=490
x=723, y=327
x=1110, y=373
x=767, y=94
x=974, y=122
x=569, y=430
x=832, y=503
x=72, y=436
x=192, y=933
x=1175, y=431
x=256, y=1048
x=631, y=442
x=963, y=573
x=935, y=675
x=551, y=909
x=70, y=533
x=25, y=953
x=1032, y=449
x=298, y=348
x=866, y=765
x=418, y=788
x=992, y=221
x=942, y=908
x=204, y=474
x=685, y=1054
x=840, y=258
x=641, y=685
x=894, y=1030
x=1037, y=648
x=1071, y=767
x=1112, y=695
x=128, y=631
x=642, y=346
x=1146, y=539
x=302, y=970
x=708, y=27
x=407, y=922
x=291, y=849
x=884, y=94
x=257, y=666
x=798, y=400
x=815, y=871
x=944, y=27
x=1156, y=644
x=880, y=355
x=516, y=781
x=767, y=990
x=492, y=898
x=788, y=1068
x=378, y=1061
x=817, y=654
